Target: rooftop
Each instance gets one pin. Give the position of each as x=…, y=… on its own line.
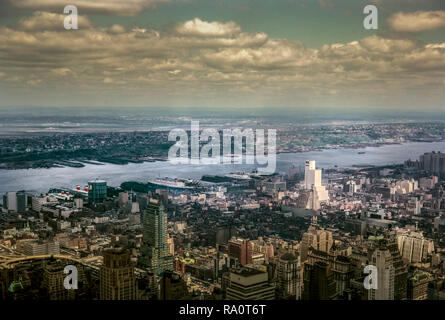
x=247, y=272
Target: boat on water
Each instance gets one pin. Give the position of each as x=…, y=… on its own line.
x=361, y=152
x=167, y=183
x=238, y=175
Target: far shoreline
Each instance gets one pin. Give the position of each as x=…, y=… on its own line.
x=160, y=159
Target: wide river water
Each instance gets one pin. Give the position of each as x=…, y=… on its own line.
x=41, y=180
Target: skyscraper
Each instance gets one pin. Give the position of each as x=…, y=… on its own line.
x=10, y=201
x=240, y=250
x=316, y=238
x=155, y=250
x=433, y=162
x=290, y=280
x=117, y=277
x=400, y=268
x=388, y=255
x=319, y=283
x=312, y=176
x=418, y=285
x=382, y=259
x=52, y=282
x=342, y=266
x=97, y=191
x=173, y=287
x=414, y=247
x=22, y=201
x=312, y=182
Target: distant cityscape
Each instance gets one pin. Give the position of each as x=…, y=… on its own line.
x=75, y=149
x=307, y=234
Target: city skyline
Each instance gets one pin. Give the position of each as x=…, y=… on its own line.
x=218, y=242
x=213, y=153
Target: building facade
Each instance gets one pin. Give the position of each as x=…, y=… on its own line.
x=249, y=284
x=155, y=250
x=117, y=277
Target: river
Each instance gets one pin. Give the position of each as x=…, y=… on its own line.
x=41, y=180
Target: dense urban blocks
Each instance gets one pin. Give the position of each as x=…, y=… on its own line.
x=242, y=236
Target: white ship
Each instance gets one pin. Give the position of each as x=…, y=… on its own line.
x=239, y=175
x=168, y=183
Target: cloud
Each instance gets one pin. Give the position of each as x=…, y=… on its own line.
x=417, y=21
x=61, y=71
x=112, y=7
x=275, y=54
x=197, y=27
x=34, y=82
x=383, y=45
x=116, y=29
x=207, y=61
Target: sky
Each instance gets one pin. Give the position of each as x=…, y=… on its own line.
x=296, y=54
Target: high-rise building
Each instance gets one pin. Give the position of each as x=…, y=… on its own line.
x=117, y=277
x=53, y=281
x=433, y=162
x=143, y=200
x=312, y=182
x=240, y=251
x=350, y=187
x=413, y=207
x=249, y=284
x=171, y=244
x=414, y=247
x=316, y=238
x=155, y=250
x=400, y=267
x=319, y=283
x=342, y=266
x=147, y=286
x=312, y=176
x=163, y=195
x=290, y=276
x=388, y=244
x=173, y=287
x=10, y=201
x=382, y=260
x=97, y=191
x=418, y=285
x=224, y=233
x=22, y=201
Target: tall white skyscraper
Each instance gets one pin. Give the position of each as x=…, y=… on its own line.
x=312, y=176
x=312, y=181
